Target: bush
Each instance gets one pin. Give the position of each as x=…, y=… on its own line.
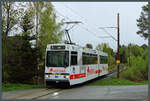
x=138, y=69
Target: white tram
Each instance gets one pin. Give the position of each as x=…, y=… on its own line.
x=68, y=64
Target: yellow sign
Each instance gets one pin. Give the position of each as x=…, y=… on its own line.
x=117, y=61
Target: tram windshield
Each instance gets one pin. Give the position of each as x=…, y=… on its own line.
x=57, y=59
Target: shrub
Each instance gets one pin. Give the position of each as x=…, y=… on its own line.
x=138, y=69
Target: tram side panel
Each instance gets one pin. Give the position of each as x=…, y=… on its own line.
x=103, y=65
x=104, y=69
x=77, y=73
x=91, y=72
x=91, y=66
x=83, y=72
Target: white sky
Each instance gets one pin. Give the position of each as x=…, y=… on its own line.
x=102, y=14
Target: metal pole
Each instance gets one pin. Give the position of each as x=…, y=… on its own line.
x=118, y=52
x=67, y=30
x=68, y=35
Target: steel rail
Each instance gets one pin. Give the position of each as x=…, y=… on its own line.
x=34, y=98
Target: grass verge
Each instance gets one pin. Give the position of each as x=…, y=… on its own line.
x=13, y=87
x=117, y=82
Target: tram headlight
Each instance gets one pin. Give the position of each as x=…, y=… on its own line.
x=67, y=76
x=46, y=76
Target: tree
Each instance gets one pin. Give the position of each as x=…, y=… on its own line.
x=9, y=20
x=124, y=54
x=99, y=47
x=21, y=61
x=26, y=49
x=88, y=45
x=50, y=31
x=144, y=46
x=26, y=23
x=9, y=17
x=142, y=23
x=105, y=48
x=37, y=8
x=135, y=50
x=22, y=57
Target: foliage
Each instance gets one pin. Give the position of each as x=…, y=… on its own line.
x=135, y=56
x=144, y=46
x=24, y=51
x=142, y=22
x=21, y=59
x=88, y=45
x=124, y=53
x=105, y=48
x=131, y=50
x=9, y=20
x=110, y=67
x=50, y=31
x=138, y=68
x=26, y=23
x=9, y=17
x=135, y=50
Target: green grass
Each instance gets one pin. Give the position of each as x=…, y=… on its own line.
x=117, y=82
x=13, y=87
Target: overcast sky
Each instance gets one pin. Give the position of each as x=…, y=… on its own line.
x=99, y=14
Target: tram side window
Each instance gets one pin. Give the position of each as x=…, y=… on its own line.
x=103, y=59
x=89, y=58
x=74, y=58
x=85, y=59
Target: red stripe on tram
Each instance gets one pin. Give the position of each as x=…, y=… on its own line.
x=82, y=75
x=77, y=76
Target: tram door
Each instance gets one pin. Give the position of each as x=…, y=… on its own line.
x=99, y=64
x=80, y=61
x=74, y=67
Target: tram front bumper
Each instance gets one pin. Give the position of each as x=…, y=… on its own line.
x=57, y=82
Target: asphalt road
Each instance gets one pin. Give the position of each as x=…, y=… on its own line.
x=82, y=92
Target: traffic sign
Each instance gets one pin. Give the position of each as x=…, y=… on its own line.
x=117, y=61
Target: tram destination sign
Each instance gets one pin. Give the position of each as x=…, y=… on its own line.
x=57, y=47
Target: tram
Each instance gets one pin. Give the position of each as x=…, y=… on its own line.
x=68, y=64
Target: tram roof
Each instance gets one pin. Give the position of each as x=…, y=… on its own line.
x=77, y=47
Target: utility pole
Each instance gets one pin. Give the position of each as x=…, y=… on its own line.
x=118, y=42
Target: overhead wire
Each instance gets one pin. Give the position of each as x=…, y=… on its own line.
x=110, y=35
x=88, y=20
x=86, y=29
x=65, y=17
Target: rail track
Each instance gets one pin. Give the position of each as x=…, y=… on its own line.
x=115, y=70
x=53, y=91
x=60, y=90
